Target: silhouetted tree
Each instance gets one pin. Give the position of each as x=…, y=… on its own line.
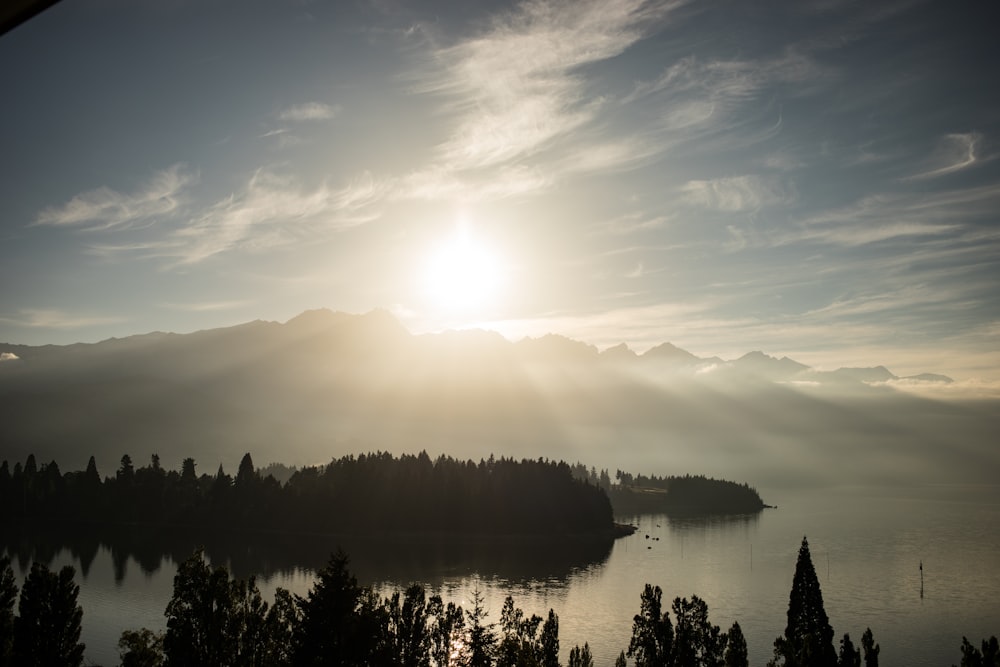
x=808, y=639
x=329, y=630
x=989, y=656
x=126, y=471
x=447, y=630
x=8, y=596
x=245, y=475
x=652, y=632
x=620, y=660
x=580, y=657
x=736, y=647
x=550, y=641
x=47, y=628
x=482, y=640
x=408, y=628
x=849, y=656
x=141, y=648
x=871, y=648
x=696, y=641
x=203, y=627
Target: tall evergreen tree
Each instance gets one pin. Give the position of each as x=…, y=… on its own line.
x=481, y=638
x=736, y=647
x=808, y=638
x=8, y=595
x=47, y=628
x=580, y=657
x=332, y=628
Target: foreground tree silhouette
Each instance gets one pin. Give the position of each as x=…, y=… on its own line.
x=871, y=648
x=140, y=648
x=8, y=595
x=808, y=639
x=337, y=620
x=47, y=628
x=652, y=633
x=988, y=657
x=580, y=657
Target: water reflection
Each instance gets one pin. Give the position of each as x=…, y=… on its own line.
x=373, y=559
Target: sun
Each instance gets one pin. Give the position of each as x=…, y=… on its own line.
x=462, y=274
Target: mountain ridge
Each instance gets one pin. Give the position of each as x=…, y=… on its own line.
x=379, y=324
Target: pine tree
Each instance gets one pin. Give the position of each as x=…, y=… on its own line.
x=332, y=629
x=8, y=595
x=580, y=657
x=736, y=648
x=808, y=638
x=47, y=628
x=481, y=638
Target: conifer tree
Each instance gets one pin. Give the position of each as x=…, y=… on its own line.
x=580, y=657
x=808, y=638
x=481, y=638
x=736, y=647
x=8, y=595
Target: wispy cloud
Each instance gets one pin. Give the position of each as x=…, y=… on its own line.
x=881, y=217
x=630, y=223
x=956, y=152
x=272, y=210
x=105, y=208
x=516, y=90
x=57, y=319
x=737, y=193
x=309, y=111
x=206, y=306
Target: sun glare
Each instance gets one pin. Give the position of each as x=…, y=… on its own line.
x=462, y=274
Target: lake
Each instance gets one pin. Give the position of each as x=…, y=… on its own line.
x=867, y=546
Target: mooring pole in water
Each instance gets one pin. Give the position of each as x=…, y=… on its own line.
x=921, y=580
x=828, y=566
x=751, y=556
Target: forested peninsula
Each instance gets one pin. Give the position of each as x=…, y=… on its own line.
x=368, y=494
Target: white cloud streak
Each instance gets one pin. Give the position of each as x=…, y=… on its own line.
x=57, y=319
x=956, y=152
x=737, y=193
x=515, y=92
x=309, y=111
x=105, y=208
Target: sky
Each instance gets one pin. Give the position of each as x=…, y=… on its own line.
x=816, y=179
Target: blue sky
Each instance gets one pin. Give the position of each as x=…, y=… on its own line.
x=812, y=179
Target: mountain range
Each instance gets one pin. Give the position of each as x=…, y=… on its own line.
x=326, y=383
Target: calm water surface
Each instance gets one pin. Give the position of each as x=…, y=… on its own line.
x=867, y=546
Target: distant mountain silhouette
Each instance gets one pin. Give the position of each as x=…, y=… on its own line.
x=325, y=384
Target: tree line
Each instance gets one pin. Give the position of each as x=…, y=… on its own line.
x=365, y=494
x=634, y=494
x=216, y=620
